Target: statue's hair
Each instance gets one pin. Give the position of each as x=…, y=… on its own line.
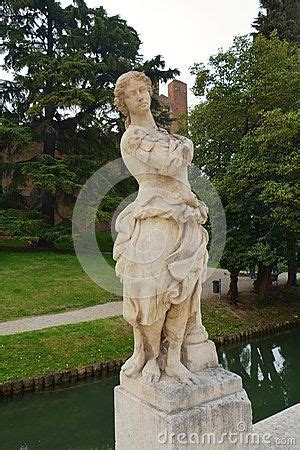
x=122, y=83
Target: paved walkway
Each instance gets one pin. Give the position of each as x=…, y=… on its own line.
x=54, y=320
x=111, y=309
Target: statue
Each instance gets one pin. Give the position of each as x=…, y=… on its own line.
x=172, y=385
x=160, y=250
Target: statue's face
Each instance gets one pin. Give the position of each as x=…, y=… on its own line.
x=136, y=97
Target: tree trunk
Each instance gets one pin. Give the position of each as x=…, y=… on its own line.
x=257, y=282
x=265, y=283
x=49, y=137
x=232, y=295
x=292, y=260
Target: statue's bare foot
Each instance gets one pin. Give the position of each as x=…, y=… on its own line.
x=151, y=372
x=134, y=364
x=180, y=373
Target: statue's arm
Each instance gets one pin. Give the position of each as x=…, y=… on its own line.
x=167, y=160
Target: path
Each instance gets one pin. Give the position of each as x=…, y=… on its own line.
x=112, y=308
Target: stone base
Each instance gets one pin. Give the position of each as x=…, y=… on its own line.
x=199, y=356
x=280, y=431
x=170, y=415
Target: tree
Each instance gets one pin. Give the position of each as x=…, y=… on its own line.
x=265, y=174
x=281, y=16
x=273, y=149
x=240, y=87
x=65, y=63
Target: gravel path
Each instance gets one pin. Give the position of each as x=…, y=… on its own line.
x=112, y=308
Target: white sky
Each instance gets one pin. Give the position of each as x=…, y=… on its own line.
x=182, y=31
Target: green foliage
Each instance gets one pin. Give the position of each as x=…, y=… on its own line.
x=245, y=135
x=51, y=174
x=273, y=149
x=239, y=85
x=14, y=137
x=65, y=63
x=30, y=227
x=279, y=15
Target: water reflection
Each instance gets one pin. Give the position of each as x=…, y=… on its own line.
x=269, y=368
x=81, y=417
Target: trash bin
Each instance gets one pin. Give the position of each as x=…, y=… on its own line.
x=216, y=286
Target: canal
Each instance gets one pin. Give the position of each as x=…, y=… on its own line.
x=80, y=417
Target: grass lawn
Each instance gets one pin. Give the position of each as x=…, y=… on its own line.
x=43, y=283
x=61, y=347
x=33, y=353
x=220, y=318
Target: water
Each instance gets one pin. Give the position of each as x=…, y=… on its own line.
x=80, y=417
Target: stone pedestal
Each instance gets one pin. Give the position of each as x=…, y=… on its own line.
x=171, y=415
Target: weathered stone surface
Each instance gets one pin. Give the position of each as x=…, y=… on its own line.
x=7, y=388
x=97, y=368
x=172, y=382
x=48, y=380
x=119, y=363
x=160, y=249
x=199, y=356
x=81, y=372
x=169, y=395
x=89, y=370
x=66, y=376
x=38, y=382
x=281, y=430
x=140, y=426
x=104, y=366
x=73, y=374
x=17, y=386
x=57, y=377
x=111, y=366
x=28, y=384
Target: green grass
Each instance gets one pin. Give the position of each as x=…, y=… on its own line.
x=30, y=354
x=39, y=352
x=45, y=282
x=220, y=318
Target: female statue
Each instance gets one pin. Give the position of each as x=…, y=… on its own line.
x=161, y=244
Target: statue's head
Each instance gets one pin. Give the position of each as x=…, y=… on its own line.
x=133, y=94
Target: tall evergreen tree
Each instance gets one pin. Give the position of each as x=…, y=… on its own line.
x=65, y=62
x=280, y=15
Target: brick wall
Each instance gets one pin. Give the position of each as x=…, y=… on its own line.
x=176, y=100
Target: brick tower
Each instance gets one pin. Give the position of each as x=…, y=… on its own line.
x=176, y=100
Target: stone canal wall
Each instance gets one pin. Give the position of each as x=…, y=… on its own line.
x=61, y=377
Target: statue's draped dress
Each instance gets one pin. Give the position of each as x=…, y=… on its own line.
x=160, y=247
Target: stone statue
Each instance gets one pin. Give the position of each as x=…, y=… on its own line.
x=160, y=248
x=172, y=384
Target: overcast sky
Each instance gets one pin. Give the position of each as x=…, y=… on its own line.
x=183, y=31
